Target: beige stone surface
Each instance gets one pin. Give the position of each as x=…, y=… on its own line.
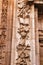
x=21, y=32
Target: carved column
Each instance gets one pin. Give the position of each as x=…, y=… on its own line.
x=22, y=33
x=23, y=39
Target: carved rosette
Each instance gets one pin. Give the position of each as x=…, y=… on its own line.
x=3, y=30
x=23, y=49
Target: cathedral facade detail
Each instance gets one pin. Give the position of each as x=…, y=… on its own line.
x=21, y=32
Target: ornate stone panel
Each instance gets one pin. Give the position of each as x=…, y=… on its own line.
x=23, y=33
x=5, y=39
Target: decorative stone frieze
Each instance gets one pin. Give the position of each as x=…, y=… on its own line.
x=23, y=49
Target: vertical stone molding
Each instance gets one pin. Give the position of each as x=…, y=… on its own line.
x=5, y=32
x=23, y=30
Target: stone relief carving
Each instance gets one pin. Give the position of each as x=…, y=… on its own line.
x=3, y=30
x=23, y=15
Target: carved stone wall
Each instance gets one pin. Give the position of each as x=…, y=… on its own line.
x=23, y=39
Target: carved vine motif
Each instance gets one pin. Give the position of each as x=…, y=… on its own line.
x=3, y=29
x=23, y=50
